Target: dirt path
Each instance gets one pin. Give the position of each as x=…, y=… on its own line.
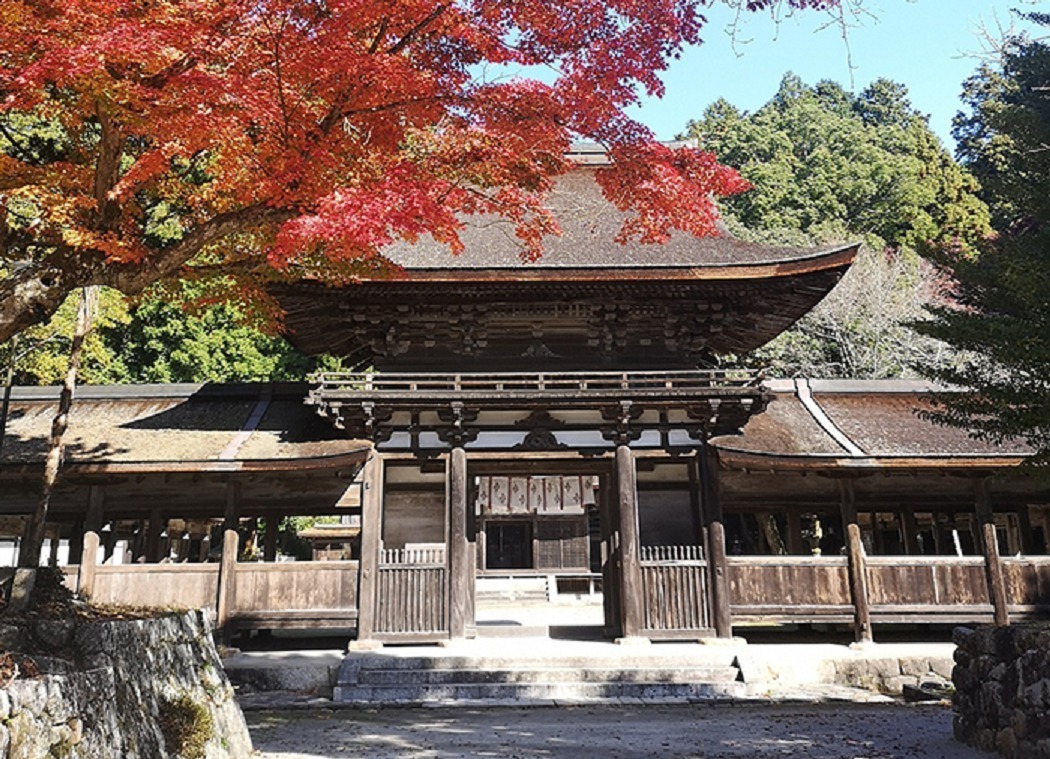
x=828, y=731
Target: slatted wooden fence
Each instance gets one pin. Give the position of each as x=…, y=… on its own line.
x=413, y=593
x=674, y=584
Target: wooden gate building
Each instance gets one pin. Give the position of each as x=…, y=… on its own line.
x=551, y=418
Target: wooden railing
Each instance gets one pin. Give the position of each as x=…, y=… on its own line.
x=674, y=591
x=900, y=588
x=555, y=382
x=789, y=587
x=421, y=556
x=918, y=583
x=672, y=553
x=1027, y=584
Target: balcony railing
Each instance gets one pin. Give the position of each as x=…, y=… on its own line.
x=575, y=383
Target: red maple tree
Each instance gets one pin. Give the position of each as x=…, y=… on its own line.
x=302, y=136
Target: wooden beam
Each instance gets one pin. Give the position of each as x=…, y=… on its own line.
x=371, y=532
x=716, y=542
x=858, y=570
x=632, y=603
x=230, y=547
x=460, y=567
x=993, y=565
x=89, y=552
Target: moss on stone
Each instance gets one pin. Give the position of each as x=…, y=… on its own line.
x=187, y=727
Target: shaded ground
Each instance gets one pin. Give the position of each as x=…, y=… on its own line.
x=838, y=731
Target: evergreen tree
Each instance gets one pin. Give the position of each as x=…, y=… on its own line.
x=1000, y=315
x=831, y=166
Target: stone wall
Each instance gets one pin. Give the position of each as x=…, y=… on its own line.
x=136, y=689
x=1002, y=689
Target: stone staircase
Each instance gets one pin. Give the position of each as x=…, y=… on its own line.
x=670, y=672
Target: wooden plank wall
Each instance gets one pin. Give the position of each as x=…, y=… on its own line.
x=1028, y=581
x=187, y=586
x=908, y=581
x=295, y=586
x=787, y=586
x=900, y=588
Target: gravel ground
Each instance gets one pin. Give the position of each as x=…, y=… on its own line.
x=840, y=731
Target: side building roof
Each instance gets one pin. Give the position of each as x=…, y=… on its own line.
x=856, y=424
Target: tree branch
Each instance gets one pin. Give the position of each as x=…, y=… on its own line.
x=414, y=32
x=31, y=294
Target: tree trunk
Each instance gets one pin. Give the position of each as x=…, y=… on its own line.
x=33, y=538
x=9, y=381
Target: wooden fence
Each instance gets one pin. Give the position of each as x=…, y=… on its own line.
x=292, y=594
x=900, y=588
x=412, y=590
x=1027, y=584
x=184, y=586
x=932, y=586
x=795, y=588
x=674, y=591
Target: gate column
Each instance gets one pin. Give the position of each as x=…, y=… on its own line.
x=711, y=503
x=632, y=605
x=461, y=569
x=371, y=523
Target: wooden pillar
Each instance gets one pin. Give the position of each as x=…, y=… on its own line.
x=76, y=541
x=716, y=543
x=1024, y=527
x=371, y=533
x=270, y=538
x=156, y=525
x=89, y=551
x=993, y=565
x=460, y=567
x=794, y=532
x=631, y=591
x=230, y=547
x=858, y=570
x=909, y=532
x=56, y=538
x=611, y=580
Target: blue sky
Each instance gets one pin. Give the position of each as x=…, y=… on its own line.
x=927, y=45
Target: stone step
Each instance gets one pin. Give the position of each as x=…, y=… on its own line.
x=675, y=676
x=496, y=630
x=565, y=691
x=621, y=659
